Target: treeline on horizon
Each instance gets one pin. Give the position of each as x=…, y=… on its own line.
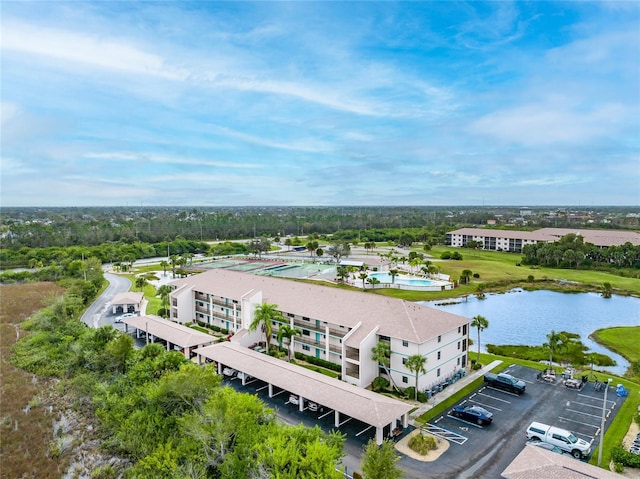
x=48, y=227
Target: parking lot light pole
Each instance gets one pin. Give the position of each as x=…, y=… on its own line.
x=604, y=408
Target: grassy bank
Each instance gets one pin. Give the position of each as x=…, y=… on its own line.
x=623, y=340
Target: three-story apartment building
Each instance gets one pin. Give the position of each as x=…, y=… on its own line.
x=336, y=325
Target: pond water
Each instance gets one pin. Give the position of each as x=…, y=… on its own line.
x=526, y=317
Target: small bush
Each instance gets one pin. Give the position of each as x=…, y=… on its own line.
x=475, y=366
x=357, y=475
x=476, y=275
x=422, y=397
x=410, y=392
x=422, y=444
x=380, y=384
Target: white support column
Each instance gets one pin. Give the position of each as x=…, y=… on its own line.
x=220, y=368
x=186, y=353
x=301, y=404
x=405, y=421
x=326, y=335
x=379, y=435
x=168, y=346
x=336, y=418
x=270, y=390
x=137, y=333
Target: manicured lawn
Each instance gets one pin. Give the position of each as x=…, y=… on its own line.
x=625, y=340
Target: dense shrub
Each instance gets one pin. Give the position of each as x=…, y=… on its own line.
x=380, y=384
x=318, y=362
x=624, y=457
x=422, y=444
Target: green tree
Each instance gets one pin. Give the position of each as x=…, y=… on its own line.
x=373, y=281
x=380, y=462
x=415, y=363
x=363, y=276
x=287, y=332
x=606, y=290
x=164, y=292
x=465, y=275
x=141, y=282
x=381, y=353
x=393, y=273
x=263, y=318
x=481, y=323
x=163, y=265
x=555, y=343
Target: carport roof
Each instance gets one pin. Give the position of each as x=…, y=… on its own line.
x=171, y=332
x=537, y=463
x=130, y=297
x=361, y=404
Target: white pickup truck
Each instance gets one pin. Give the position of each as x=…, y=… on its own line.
x=565, y=440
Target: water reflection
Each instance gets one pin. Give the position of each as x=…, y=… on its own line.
x=526, y=317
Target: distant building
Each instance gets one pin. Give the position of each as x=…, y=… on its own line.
x=515, y=240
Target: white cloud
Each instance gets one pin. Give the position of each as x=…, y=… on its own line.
x=86, y=49
x=155, y=158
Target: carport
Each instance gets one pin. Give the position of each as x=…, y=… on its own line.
x=129, y=302
x=174, y=334
x=366, y=406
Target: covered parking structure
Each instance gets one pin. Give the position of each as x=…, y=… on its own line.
x=187, y=339
x=366, y=406
x=129, y=302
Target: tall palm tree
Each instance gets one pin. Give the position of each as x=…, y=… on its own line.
x=373, y=281
x=393, y=273
x=287, y=332
x=415, y=363
x=481, y=323
x=163, y=265
x=141, y=282
x=263, y=317
x=164, y=291
x=555, y=343
x=382, y=354
x=363, y=276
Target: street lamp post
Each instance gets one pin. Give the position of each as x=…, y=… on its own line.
x=604, y=409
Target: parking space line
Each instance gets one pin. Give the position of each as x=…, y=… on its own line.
x=262, y=388
x=598, y=416
x=578, y=422
x=325, y=414
x=345, y=421
x=487, y=406
x=493, y=397
x=363, y=431
x=444, y=433
x=466, y=422
x=503, y=392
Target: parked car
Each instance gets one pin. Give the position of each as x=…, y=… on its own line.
x=244, y=376
x=312, y=406
x=506, y=382
x=475, y=414
x=565, y=440
x=123, y=316
x=294, y=399
x=230, y=372
x=546, y=445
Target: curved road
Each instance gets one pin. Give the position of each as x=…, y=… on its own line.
x=95, y=315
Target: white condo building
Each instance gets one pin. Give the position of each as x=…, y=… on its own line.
x=336, y=325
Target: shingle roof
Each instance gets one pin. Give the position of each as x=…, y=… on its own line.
x=362, y=404
x=396, y=318
x=537, y=463
x=174, y=333
x=130, y=297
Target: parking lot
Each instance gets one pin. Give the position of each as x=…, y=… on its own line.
x=478, y=451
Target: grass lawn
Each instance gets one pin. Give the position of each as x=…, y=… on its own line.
x=624, y=340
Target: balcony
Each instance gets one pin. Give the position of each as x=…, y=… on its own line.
x=201, y=297
x=352, y=373
x=352, y=353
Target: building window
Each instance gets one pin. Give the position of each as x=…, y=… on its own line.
x=464, y=329
x=438, y=372
x=459, y=329
x=458, y=360
x=404, y=360
x=405, y=379
x=405, y=343
x=385, y=338
x=291, y=315
x=458, y=344
x=306, y=332
x=438, y=355
x=439, y=338
x=306, y=348
x=305, y=318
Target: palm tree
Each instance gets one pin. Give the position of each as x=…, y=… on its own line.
x=481, y=323
x=163, y=265
x=288, y=332
x=606, y=289
x=555, y=343
x=415, y=363
x=263, y=317
x=382, y=354
x=393, y=273
x=164, y=291
x=363, y=276
x=373, y=281
x=141, y=282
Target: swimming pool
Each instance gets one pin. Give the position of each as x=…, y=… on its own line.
x=385, y=278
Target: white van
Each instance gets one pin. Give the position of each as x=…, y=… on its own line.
x=565, y=440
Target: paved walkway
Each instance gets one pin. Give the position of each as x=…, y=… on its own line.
x=451, y=390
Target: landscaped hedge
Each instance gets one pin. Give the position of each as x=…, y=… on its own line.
x=318, y=362
x=212, y=327
x=624, y=457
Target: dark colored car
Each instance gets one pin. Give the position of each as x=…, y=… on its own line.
x=474, y=414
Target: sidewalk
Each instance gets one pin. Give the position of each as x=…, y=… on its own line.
x=451, y=390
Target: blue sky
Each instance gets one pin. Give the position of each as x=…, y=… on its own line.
x=320, y=103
